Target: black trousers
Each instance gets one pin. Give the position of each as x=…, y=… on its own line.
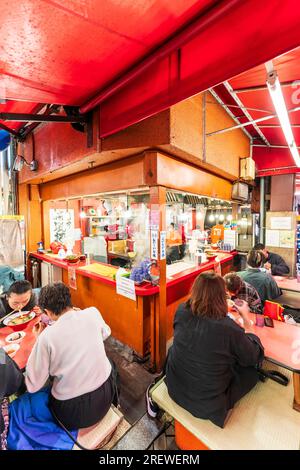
x=85, y=410
x=245, y=378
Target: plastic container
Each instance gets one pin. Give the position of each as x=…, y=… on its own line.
x=260, y=321
x=61, y=253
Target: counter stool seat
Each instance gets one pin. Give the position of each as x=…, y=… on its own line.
x=98, y=435
x=263, y=419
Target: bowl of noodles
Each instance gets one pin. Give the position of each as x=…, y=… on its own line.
x=18, y=321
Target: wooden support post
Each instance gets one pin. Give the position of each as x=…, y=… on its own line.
x=296, y=383
x=159, y=304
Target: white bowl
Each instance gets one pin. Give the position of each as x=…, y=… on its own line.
x=20, y=326
x=15, y=337
x=11, y=349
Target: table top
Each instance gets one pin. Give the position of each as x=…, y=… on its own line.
x=281, y=343
x=26, y=344
x=286, y=283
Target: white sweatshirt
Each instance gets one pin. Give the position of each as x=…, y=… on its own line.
x=71, y=351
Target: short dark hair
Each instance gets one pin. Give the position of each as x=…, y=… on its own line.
x=208, y=296
x=19, y=287
x=55, y=297
x=255, y=259
x=259, y=246
x=233, y=282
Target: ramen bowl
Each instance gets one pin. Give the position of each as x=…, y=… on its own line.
x=18, y=321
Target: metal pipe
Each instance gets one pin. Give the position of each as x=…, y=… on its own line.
x=248, y=116
x=262, y=211
x=275, y=126
x=264, y=87
x=220, y=101
x=274, y=146
x=187, y=34
x=23, y=117
x=265, y=118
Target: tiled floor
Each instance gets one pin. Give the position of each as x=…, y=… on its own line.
x=134, y=382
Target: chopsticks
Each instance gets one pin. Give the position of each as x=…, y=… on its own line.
x=8, y=315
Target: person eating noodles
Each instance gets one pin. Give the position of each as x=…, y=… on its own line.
x=239, y=289
x=19, y=297
x=213, y=361
x=263, y=282
x=71, y=354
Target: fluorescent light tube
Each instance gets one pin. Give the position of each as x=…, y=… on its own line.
x=282, y=114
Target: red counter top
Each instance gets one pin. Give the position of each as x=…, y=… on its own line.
x=143, y=290
x=147, y=288
x=208, y=266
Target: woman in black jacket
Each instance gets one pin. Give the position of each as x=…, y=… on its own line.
x=11, y=381
x=212, y=363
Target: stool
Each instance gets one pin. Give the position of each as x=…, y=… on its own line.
x=95, y=437
x=264, y=419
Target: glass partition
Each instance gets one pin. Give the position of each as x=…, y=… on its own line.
x=194, y=224
x=110, y=228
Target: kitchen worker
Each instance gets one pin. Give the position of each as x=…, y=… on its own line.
x=274, y=262
x=217, y=233
x=173, y=242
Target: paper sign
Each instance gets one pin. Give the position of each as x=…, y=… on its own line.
x=125, y=287
x=281, y=223
x=154, y=244
x=72, y=277
x=163, y=236
x=154, y=219
x=272, y=237
x=230, y=238
x=287, y=239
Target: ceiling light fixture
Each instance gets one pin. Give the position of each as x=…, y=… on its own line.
x=282, y=114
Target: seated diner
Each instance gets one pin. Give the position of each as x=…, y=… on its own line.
x=263, y=282
x=69, y=355
x=11, y=382
x=212, y=362
x=238, y=289
x=19, y=297
x=274, y=262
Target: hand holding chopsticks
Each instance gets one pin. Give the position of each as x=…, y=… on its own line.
x=8, y=315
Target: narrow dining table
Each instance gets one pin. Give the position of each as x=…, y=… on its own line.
x=26, y=344
x=282, y=347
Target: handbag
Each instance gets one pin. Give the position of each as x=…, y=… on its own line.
x=274, y=375
x=273, y=310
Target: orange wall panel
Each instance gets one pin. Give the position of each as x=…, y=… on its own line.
x=180, y=175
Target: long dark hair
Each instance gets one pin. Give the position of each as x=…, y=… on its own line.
x=208, y=296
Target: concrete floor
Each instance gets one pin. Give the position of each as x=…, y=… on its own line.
x=134, y=381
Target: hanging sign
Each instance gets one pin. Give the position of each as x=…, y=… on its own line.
x=163, y=236
x=154, y=244
x=72, y=277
